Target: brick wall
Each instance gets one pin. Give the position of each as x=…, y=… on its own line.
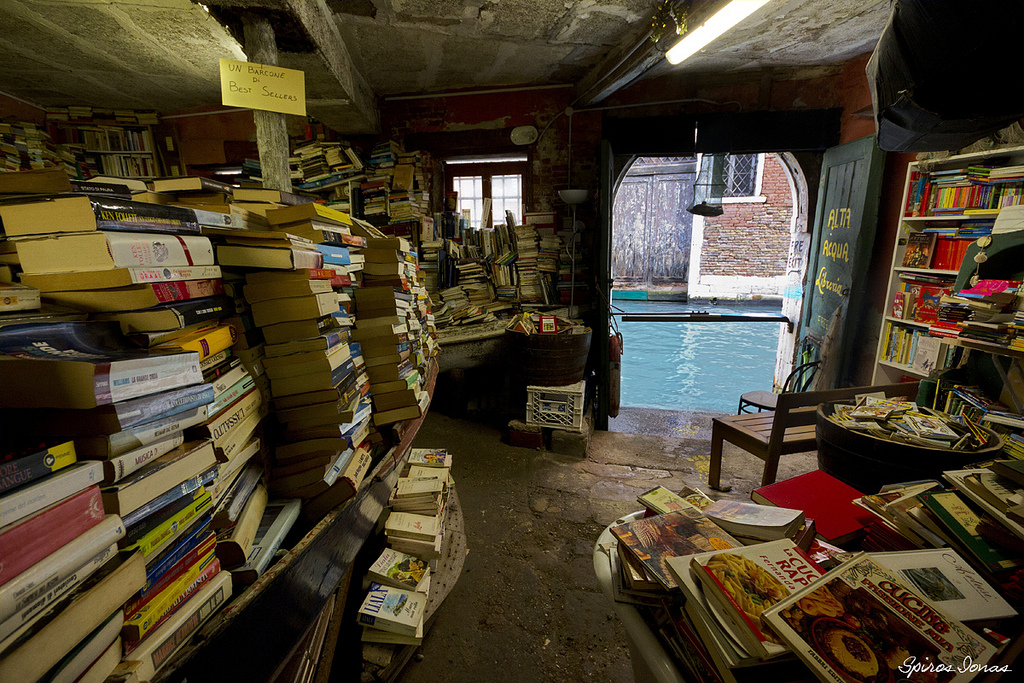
x=752, y=238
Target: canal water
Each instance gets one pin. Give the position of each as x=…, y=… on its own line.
x=695, y=366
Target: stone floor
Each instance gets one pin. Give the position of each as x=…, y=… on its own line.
x=527, y=607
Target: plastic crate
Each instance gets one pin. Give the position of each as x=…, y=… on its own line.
x=558, y=407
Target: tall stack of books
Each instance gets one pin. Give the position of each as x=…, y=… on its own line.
x=319, y=396
x=109, y=397
x=531, y=289
x=388, y=330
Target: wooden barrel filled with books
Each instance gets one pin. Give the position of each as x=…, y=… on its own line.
x=867, y=462
x=550, y=360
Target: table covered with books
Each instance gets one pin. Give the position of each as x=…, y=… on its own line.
x=734, y=591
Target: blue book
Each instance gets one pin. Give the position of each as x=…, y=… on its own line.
x=334, y=255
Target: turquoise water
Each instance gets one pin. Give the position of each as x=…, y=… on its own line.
x=695, y=366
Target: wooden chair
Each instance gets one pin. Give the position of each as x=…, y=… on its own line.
x=790, y=428
x=799, y=379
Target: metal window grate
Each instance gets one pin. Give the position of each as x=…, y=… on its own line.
x=740, y=175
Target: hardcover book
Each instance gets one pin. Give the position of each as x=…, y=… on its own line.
x=961, y=522
x=278, y=519
x=393, y=609
x=943, y=577
x=117, y=277
x=134, y=297
x=653, y=540
x=920, y=246
x=823, y=498
x=861, y=622
x=742, y=583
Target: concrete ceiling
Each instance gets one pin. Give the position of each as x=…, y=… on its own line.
x=162, y=54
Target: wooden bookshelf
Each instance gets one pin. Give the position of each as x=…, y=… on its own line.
x=110, y=149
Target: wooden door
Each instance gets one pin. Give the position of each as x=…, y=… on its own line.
x=844, y=231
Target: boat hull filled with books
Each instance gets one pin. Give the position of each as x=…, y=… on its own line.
x=867, y=462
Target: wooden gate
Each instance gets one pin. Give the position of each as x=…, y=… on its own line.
x=651, y=226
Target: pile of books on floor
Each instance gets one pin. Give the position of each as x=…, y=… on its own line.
x=398, y=582
x=25, y=146
x=785, y=605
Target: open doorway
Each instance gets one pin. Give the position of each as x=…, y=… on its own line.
x=668, y=261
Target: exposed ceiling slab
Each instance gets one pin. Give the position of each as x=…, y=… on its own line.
x=163, y=54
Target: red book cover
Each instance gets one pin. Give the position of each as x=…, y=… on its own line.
x=186, y=289
x=926, y=308
x=24, y=543
x=823, y=498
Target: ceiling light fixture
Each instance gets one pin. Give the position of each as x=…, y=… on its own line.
x=697, y=39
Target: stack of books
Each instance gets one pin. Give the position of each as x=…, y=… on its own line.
x=416, y=533
x=167, y=578
x=389, y=330
x=401, y=574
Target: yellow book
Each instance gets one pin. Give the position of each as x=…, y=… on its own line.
x=143, y=621
x=204, y=342
x=156, y=538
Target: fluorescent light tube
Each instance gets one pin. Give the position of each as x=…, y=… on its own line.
x=723, y=20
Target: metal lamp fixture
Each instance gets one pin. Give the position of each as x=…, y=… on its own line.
x=697, y=39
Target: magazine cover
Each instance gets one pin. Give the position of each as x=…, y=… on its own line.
x=685, y=532
x=862, y=624
x=742, y=583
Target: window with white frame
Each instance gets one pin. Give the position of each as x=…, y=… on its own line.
x=742, y=176
x=500, y=179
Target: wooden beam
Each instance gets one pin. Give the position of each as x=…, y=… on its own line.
x=271, y=127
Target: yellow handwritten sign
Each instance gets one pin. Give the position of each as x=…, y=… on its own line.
x=259, y=86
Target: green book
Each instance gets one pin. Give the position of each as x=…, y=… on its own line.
x=962, y=522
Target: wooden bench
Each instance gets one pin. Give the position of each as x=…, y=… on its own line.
x=790, y=428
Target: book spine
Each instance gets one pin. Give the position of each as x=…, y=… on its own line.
x=29, y=541
x=27, y=468
x=128, y=379
x=121, y=466
x=151, y=615
x=198, y=554
x=217, y=339
x=145, y=275
x=23, y=501
x=152, y=541
x=156, y=650
x=46, y=591
x=183, y=489
x=166, y=404
x=237, y=390
x=119, y=214
x=130, y=250
x=185, y=290
x=33, y=582
x=235, y=413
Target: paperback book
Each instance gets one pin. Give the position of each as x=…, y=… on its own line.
x=653, y=540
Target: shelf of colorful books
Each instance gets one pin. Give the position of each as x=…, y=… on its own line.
x=904, y=321
x=298, y=585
